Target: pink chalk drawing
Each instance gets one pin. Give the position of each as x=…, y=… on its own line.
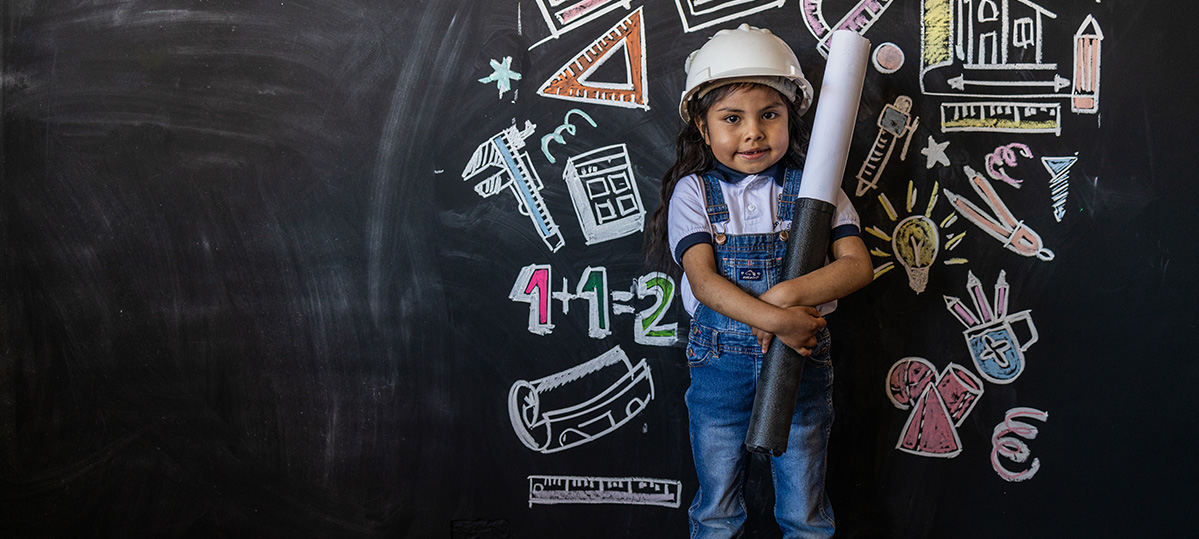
x=941, y=403
x=1006, y=155
x=1004, y=443
x=859, y=19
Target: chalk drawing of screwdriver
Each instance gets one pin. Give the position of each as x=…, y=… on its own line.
x=1014, y=234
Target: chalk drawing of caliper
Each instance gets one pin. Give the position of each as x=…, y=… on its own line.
x=516, y=173
x=1003, y=226
x=559, y=411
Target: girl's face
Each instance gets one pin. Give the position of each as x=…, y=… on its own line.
x=747, y=129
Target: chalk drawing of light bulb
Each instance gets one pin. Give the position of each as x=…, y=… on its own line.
x=915, y=243
x=916, y=239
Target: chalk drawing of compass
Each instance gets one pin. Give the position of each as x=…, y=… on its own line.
x=859, y=19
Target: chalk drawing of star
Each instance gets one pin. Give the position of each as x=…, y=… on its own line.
x=936, y=152
x=502, y=76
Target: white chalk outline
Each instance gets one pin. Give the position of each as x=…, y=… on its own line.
x=550, y=431
x=577, y=489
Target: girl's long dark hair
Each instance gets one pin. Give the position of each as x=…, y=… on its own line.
x=693, y=156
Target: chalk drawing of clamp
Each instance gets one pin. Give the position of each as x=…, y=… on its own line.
x=579, y=404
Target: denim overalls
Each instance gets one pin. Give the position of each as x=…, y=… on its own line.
x=725, y=360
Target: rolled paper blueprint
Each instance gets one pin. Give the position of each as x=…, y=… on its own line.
x=782, y=367
x=835, y=115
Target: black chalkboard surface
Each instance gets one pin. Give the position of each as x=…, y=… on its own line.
x=356, y=268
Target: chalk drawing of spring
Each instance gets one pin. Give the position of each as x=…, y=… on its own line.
x=562, y=411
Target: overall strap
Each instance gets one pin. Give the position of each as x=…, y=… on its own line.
x=791, y=180
x=718, y=211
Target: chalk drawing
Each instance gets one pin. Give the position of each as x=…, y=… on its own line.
x=1001, y=117
x=996, y=49
x=935, y=151
x=915, y=240
x=593, y=287
x=566, y=126
x=1003, y=226
x=1004, y=443
x=990, y=335
x=939, y=403
x=1006, y=155
x=560, y=489
x=516, y=174
x=699, y=14
x=859, y=19
x=604, y=193
x=1059, y=183
x=502, y=75
x=563, y=16
x=887, y=58
x=580, y=404
x=894, y=122
x=648, y=328
x=624, y=42
x=1087, y=44
x=534, y=286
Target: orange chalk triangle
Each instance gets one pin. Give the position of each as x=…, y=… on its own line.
x=625, y=41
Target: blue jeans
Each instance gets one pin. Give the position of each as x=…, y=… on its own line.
x=724, y=376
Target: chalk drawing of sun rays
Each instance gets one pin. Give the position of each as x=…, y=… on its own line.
x=580, y=404
x=916, y=240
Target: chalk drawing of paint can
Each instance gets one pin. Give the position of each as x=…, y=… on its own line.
x=997, y=351
x=580, y=404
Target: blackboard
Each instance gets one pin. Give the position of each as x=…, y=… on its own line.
x=265, y=271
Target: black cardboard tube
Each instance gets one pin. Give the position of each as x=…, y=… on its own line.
x=782, y=367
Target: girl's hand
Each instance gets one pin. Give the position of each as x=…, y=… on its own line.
x=797, y=331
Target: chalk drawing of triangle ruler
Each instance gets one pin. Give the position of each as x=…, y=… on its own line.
x=859, y=19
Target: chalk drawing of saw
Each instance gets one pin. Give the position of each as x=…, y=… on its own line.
x=1014, y=234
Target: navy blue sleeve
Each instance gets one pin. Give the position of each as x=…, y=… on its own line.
x=689, y=241
x=843, y=231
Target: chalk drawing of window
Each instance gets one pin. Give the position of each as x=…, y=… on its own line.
x=604, y=192
x=987, y=11
x=1024, y=33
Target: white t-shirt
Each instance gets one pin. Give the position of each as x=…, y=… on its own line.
x=753, y=209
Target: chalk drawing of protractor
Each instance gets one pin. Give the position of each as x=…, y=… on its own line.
x=859, y=19
x=562, y=411
x=1004, y=226
x=516, y=173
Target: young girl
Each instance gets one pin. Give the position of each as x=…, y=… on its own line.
x=725, y=214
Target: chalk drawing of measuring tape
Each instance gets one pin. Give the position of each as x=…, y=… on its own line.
x=1014, y=234
x=560, y=412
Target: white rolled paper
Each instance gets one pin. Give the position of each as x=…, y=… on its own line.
x=836, y=114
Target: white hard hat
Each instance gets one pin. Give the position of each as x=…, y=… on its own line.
x=745, y=54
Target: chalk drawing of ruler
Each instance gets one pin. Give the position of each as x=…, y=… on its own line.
x=559, y=489
x=581, y=416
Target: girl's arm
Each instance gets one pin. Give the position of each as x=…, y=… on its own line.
x=795, y=325
x=849, y=271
